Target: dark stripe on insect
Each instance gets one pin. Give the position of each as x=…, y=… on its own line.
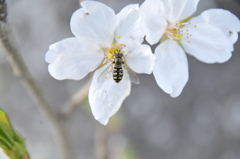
x=117, y=74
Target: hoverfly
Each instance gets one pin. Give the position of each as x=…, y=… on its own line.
x=118, y=68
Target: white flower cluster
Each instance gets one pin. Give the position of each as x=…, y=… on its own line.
x=111, y=45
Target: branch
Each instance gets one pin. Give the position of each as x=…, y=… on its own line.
x=3, y=11
x=8, y=45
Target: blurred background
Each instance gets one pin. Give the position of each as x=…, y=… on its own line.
x=202, y=123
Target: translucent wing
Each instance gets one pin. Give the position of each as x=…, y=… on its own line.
x=106, y=74
x=132, y=75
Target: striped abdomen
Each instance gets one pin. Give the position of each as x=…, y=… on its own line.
x=117, y=73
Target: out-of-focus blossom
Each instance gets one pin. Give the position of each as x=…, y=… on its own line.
x=208, y=37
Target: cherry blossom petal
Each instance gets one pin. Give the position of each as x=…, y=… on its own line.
x=171, y=69
x=3, y=155
x=222, y=19
x=153, y=19
x=123, y=14
x=129, y=25
x=207, y=43
x=139, y=57
x=94, y=21
x=106, y=98
x=177, y=10
x=73, y=58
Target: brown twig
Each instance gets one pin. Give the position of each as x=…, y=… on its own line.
x=76, y=99
x=8, y=45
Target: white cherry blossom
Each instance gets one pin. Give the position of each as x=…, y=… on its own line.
x=99, y=34
x=208, y=37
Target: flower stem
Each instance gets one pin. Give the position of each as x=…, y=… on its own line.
x=8, y=45
x=76, y=99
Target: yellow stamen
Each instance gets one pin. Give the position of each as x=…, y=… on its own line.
x=116, y=48
x=177, y=32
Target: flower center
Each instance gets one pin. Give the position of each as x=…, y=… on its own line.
x=115, y=49
x=176, y=31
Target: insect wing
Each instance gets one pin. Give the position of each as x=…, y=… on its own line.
x=106, y=74
x=132, y=75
